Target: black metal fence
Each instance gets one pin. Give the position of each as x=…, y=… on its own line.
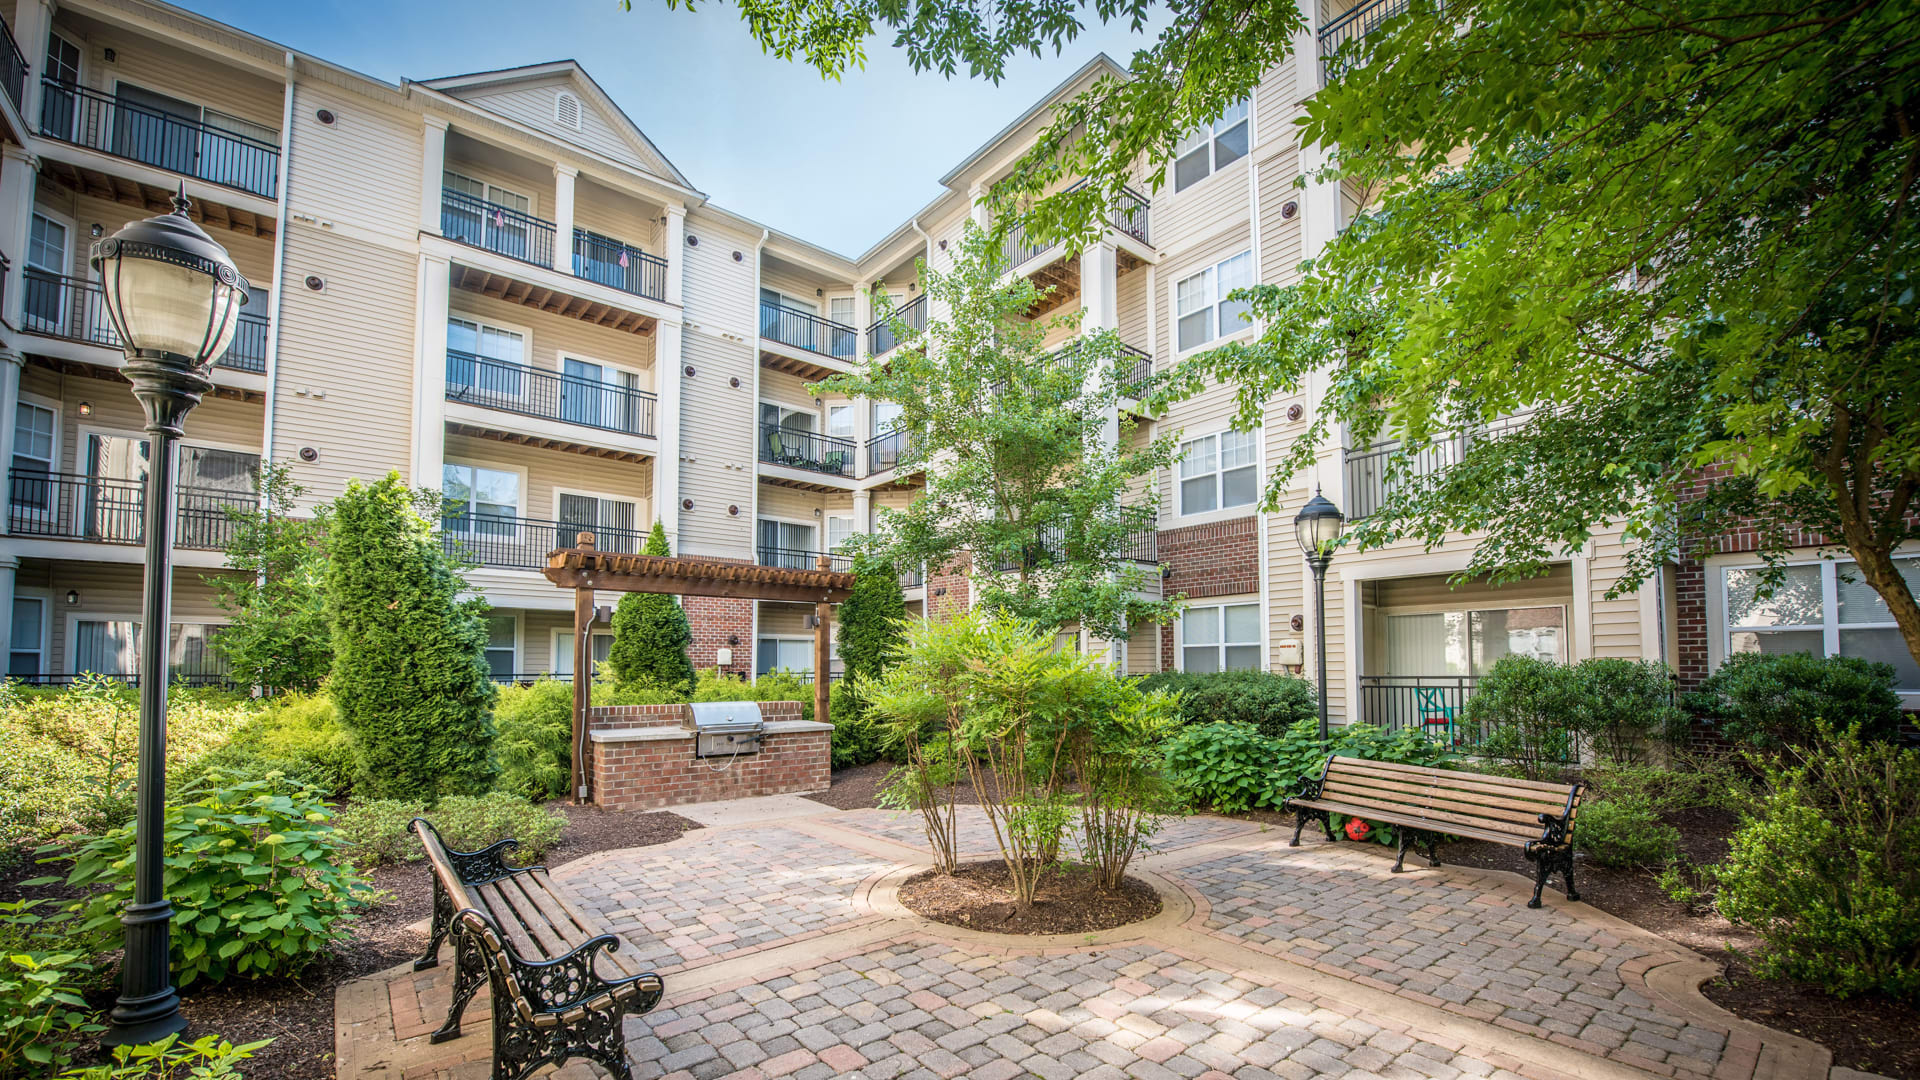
x=64, y=506
x=806, y=450
x=1369, y=483
x=1136, y=374
x=1129, y=214
x=512, y=543
x=1434, y=704
x=805, y=330
x=1363, y=19
x=178, y=144
x=13, y=65
x=913, y=578
x=531, y=391
x=796, y=559
x=885, y=450
x=75, y=308
x=880, y=336
x=1141, y=546
x=607, y=261
x=499, y=229
x=249, y=349
x=212, y=672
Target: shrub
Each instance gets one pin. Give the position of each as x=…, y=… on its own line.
x=206, y=1058
x=301, y=735
x=1625, y=830
x=856, y=737
x=533, y=740
x=375, y=832
x=1621, y=707
x=472, y=822
x=1271, y=703
x=276, y=635
x=409, y=670
x=651, y=634
x=1225, y=765
x=871, y=618
x=1123, y=788
x=42, y=1015
x=1827, y=870
x=1526, y=708
x=255, y=874
x=1773, y=701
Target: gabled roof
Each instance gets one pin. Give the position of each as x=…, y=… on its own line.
x=469, y=87
x=1051, y=98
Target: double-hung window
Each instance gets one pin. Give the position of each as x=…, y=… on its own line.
x=1207, y=150
x=31, y=490
x=503, y=635
x=1219, y=471
x=486, y=364
x=1201, y=307
x=1824, y=608
x=1220, y=637
x=27, y=657
x=482, y=507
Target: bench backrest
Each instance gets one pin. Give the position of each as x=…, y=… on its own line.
x=1476, y=800
x=441, y=865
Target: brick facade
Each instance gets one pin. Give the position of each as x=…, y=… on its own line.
x=639, y=759
x=947, y=589
x=1218, y=559
x=714, y=620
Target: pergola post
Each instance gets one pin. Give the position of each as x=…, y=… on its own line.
x=582, y=673
x=822, y=653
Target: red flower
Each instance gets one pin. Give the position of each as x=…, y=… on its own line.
x=1358, y=829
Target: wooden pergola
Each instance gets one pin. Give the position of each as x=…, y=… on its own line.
x=584, y=569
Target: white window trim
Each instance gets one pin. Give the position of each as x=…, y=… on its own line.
x=519, y=637
x=1719, y=630
x=1218, y=513
x=56, y=466
x=1213, y=307
x=849, y=517
x=818, y=525
x=532, y=197
x=83, y=432
x=642, y=377
x=43, y=647
x=813, y=408
x=803, y=639
x=827, y=405
x=525, y=494
x=1173, y=188
x=639, y=503
x=555, y=652
x=525, y=332
x=71, y=265
x=76, y=617
x=1220, y=603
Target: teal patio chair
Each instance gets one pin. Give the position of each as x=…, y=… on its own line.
x=1436, y=713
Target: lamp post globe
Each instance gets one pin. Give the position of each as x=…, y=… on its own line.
x=1318, y=526
x=173, y=296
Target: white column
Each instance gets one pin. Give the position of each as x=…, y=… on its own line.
x=863, y=510
x=433, y=167
x=667, y=370
x=862, y=315
x=17, y=181
x=673, y=246
x=1099, y=290
x=977, y=200
x=31, y=21
x=10, y=364
x=563, y=217
x=1581, y=616
x=9, y=566
x=1306, y=52
x=430, y=374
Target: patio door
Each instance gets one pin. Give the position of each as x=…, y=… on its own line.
x=116, y=468
x=211, y=482
x=612, y=521
x=485, y=364
x=786, y=544
x=499, y=226
x=840, y=310
x=60, y=106
x=598, y=395
x=156, y=129
x=48, y=296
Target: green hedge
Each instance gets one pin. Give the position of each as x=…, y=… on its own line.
x=1271, y=703
x=1773, y=701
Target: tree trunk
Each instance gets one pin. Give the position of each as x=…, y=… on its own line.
x=1875, y=559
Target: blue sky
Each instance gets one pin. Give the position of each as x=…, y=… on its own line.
x=838, y=164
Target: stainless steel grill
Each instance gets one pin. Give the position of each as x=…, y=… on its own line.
x=724, y=728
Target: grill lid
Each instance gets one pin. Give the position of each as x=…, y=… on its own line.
x=723, y=716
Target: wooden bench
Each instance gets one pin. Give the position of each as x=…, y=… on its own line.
x=1426, y=805
x=561, y=983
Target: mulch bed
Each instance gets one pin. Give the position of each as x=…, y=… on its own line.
x=979, y=896
x=857, y=787
x=297, y=1012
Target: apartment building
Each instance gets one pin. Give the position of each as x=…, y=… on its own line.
x=497, y=285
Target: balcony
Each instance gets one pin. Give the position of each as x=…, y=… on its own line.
x=915, y=578
x=609, y=262
x=880, y=336
x=86, y=117
x=1363, y=19
x=806, y=450
x=13, y=66
x=1142, y=547
x=1433, y=704
x=75, y=309
x=530, y=391
x=807, y=331
x=496, y=228
x=1127, y=216
x=885, y=450
x=1369, y=483
x=62, y=506
x=511, y=543
x=795, y=559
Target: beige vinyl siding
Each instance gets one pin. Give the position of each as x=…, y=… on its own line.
x=536, y=637
x=792, y=504
x=1280, y=250
x=159, y=67
x=1431, y=592
x=617, y=215
x=218, y=422
x=719, y=291
x=109, y=591
x=361, y=173
x=1143, y=649
x=1616, y=623
x=778, y=387
x=253, y=255
x=784, y=620
x=1194, y=215
x=353, y=342
x=1288, y=592
x=1132, y=299
x=549, y=471
x=533, y=105
x=1275, y=104
x=551, y=335
x=795, y=285
x=717, y=442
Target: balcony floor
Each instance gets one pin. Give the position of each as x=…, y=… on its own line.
x=527, y=292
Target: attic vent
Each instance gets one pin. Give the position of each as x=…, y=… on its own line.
x=566, y=110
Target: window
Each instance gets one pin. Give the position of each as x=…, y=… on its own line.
x=1224, y=637
x=498, y=225
x=1201, y=305
x=599, y=395
x=839, y=531
x=787, y=418
x=783, y=654
x=840, y=421
x=566, y=110
x=503, y=653
x=112, y=647
x=1822, y=608
x=1219, y=471
x=481, y=503
x=886, y=416
x=28, y=655
x=33, y=448
x=1209, y=149
x=484, y=363
x=47, y=301
x=1468, y=642
x=563, y=650
x=842, y=343
x=60, y=107
x=786, y=544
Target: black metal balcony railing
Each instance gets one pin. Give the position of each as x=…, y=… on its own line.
x=885, y=450
x=913, y=578
x=1141, y=546
x=56, y=305
x=806, y=450
x=880, y=336
x=212, y=672
x=1369, y=483
x=1363, y=19
x=796, y=559
x=511, y=543
x=178, y=144
x=1434, y=704
x=64, y=506
x=532, y=391
x=1128, y=214
x=610, y=262
x=13, y=65
x=1134, y=376
x=499, y=229
x=805, y=330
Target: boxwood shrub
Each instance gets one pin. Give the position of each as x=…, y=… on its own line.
x=1270, y=703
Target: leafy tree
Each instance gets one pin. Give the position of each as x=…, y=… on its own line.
x=651, y=634
x=1010, y=437
x=276, y=635
x=871, y=617
x=410, y=675
x=1678, y=238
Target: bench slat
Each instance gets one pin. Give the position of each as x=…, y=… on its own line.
x=1415, y=822
x=1449, y=799
x=1444, y=817
x=553, y=940
x=1476, y=784
x=1545, y=786
x=1432, y=801
x=508, y=920
x=560, y=907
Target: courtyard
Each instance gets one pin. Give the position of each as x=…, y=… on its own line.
x=787, y=953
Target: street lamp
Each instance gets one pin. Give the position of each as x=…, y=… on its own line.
x=1317, y=526
x=174, y=298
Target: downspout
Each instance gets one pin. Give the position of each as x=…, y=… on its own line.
x=279, y=270
x=753, y=454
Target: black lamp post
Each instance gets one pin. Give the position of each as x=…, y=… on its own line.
x=1317, y=526
x=174, y=297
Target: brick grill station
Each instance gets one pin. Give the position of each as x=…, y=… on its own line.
x=641, y=758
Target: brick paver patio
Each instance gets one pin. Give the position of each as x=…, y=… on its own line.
x=786, y=957
x=975, y=835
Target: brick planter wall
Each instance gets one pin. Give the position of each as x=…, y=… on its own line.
x=641, y=759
